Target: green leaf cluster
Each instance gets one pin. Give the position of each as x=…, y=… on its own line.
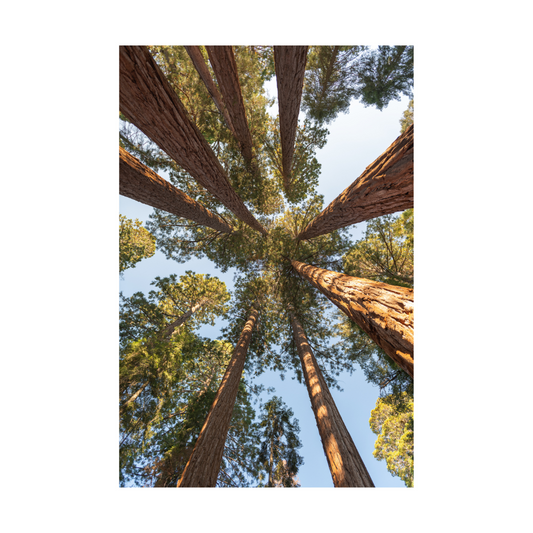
x=135, y=243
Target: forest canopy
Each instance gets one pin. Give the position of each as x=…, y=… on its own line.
x=242, y=186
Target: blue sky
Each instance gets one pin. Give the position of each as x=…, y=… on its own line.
x=354, y=141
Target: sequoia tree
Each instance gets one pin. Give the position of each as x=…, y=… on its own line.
x=135, y=243
x=147, y=100
x=384, y=312
x=204, y=464
x=385, y=186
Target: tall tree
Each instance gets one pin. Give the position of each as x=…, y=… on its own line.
x=148, y=100
x=328, y=85
x=408, y=116
x=384, y=74
x=204, y=464
x=384, y=312
x=224, y=65
x=142, y=184
x=280, y=443
x=395, y=429
x=135, y=243
x=345, y=464
x=385, y=186
x=290, y=69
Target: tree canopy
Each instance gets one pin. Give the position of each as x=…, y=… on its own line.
x=169, y=373
x=135, y=243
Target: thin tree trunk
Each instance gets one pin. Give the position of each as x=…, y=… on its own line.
x=149, y=102
x=290, y=70
x=345, y=464
x=204, y=464
x=385, y=187
x=223, y=62
x=201, y=67
x=142, y=184
x=385, y=312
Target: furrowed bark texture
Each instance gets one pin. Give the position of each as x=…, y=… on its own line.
x=199, y=64
x=149, y=102
x=385, y=312
x=204, y=464
x=142, y=184
x=223, y=62
x=385, y=187
x=345, y=464
x=290, y=70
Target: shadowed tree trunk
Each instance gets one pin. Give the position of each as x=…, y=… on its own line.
x=224, y=66
x=149, y=102
x=384, y=312
x=204, y=464
x=345, y=464
x=201, y=67
x=385, y=187
x=290, y=70
x=142, y=184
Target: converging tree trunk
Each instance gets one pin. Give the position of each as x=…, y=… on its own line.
x=224, y=66
x=290, y=70
x=150, y=103
x=385, y=312
x=204, y=463
x=142, y=184
x=345, y=464
x=201, y=67
x=385, y=187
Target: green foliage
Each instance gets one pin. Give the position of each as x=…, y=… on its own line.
x=392, y=420
x=328, y=87
x=408, y=116
x=386, y=252
x=278, y=454
x=384, y=74
x=135, y=243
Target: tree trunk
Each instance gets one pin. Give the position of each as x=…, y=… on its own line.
x=345, y=464
x=384, y=312
x=149, y=102
x=142, y=184
x=223, y=62
x=385, y=187
x=199, y=64
x=290, y=70
x=204, y=464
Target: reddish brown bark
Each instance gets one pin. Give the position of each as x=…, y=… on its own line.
x=199, y=64
x=149, y=102
x=224, y=66
x=345, y=464
x=385, y=312
x=204, y=464
x=385, y=187
x=290, y=70
x=142, y=184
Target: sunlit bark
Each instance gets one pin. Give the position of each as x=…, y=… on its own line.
x=150, y=103
x=142, y=184
x=290, y=70
x=385, y=312
x=224, y=66
x=204, y=463
x=385, y=187
x=345, y=464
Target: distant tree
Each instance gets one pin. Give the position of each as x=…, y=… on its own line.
x=328, y=86
x=395, y=430
x=278, y=454
x=135, y=243
x=384, y=74
x=408, y=116
x=386, y=252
